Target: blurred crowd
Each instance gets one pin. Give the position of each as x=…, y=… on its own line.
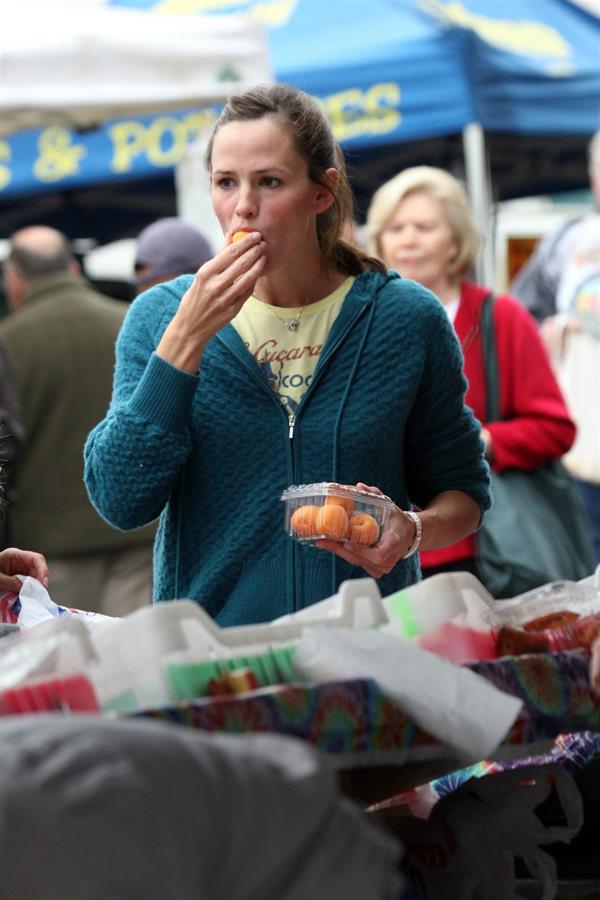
x=140, y=442
x=57, y=359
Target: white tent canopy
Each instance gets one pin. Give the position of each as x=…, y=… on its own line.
x=82, y=66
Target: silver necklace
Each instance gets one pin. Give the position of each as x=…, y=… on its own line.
x=290, y=324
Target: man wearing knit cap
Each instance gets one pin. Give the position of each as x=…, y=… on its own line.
x=168, y=248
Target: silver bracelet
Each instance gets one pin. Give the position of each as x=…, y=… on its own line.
x=418, y=533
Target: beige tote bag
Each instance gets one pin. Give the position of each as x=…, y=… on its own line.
x=578, y=373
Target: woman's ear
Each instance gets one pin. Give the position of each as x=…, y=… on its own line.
x=325, y=195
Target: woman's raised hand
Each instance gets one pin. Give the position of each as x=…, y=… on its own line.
x=218, y=292
x=380, y=559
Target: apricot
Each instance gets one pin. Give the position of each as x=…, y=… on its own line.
x=304, y=520
x=345, y=502
x=238, y=235
x=363, y=529
x=333, y=521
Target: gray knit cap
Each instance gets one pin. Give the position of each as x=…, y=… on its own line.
x=170, y=246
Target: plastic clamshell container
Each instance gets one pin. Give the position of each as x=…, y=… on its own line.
x=554, y=597
x=336, y=512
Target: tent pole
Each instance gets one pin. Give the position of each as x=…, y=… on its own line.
x=192, y=190
x=478, y=179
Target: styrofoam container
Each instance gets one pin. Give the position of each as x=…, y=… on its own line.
x=556, y=596
x=428, y=604
x=131, y=651
x=357, y=604
x=338, y=512
x=52, y=649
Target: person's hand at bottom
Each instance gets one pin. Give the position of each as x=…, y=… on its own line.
x=15, y=562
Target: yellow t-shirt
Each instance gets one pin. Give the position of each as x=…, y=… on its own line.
x=289, y=358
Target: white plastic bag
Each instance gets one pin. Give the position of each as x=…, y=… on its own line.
x=578, y=373
x=36, y=606
x=453, y=704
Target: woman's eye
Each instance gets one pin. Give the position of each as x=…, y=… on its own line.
x=225, y=183
x=271, y=181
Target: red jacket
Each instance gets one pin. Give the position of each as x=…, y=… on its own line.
x=536, y=425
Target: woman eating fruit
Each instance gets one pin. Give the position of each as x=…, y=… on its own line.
x=290, y=357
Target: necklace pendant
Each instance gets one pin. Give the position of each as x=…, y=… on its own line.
x=292, y=325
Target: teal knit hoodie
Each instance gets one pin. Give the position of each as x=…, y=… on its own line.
x=211, y=453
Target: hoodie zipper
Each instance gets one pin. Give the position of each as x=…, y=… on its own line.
x=324, y=358
x=264, y=387
x=257, y=378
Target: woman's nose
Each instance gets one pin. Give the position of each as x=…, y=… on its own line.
x=409, y=235
x=246, y=206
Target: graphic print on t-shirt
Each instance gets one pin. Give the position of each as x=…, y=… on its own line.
x=288, y=359
x=586, y=304
x=289, y=382
x=579, y=287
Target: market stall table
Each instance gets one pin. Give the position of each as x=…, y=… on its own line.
x=376, y=747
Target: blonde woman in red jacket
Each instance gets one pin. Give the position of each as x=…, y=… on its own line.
x=420, y=224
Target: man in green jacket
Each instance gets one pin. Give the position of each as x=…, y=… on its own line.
x=56, y=367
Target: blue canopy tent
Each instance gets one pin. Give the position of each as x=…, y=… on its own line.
x=377, y=66
x=534, y=65
x=401, y=80
x=365, y=60
x=521, y=66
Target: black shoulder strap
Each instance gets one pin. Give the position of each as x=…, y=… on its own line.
x=490, y=360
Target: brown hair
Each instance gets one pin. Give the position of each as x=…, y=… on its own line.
x=314, y=141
